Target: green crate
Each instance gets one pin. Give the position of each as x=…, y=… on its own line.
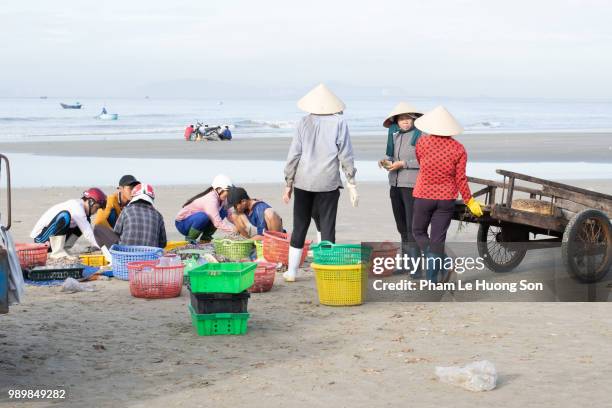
x=216, y=324
x=234, y=250
x=327, y=253
x=222, y=277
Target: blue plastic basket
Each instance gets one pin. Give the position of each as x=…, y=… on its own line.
x=124, y=254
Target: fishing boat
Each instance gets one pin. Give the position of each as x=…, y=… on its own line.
x=75, y=106
x=107, y=116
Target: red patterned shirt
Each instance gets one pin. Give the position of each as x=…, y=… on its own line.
x=442, y=163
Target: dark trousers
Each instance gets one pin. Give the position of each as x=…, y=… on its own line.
x=324, y=206
x=105, y=236
x=438, y=214
x=59, y=225
x=402, y=203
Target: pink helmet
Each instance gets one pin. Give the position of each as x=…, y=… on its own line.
x=143, y=192
x=96, y=195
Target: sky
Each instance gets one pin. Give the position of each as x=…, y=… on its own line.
x=536, y=48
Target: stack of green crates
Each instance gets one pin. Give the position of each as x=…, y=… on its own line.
x=221, y=278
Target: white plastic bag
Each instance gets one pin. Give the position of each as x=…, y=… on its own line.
x=476, y=376
x=72, y=285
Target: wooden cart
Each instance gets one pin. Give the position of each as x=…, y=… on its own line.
x=576, y=219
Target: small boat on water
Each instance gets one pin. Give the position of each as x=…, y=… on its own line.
x=75, y=106
x=107, y=116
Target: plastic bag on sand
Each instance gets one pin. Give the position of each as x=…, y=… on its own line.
x=476, y=376
x=72, y=285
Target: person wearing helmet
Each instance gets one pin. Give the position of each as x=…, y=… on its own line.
x=225, y=133
x=253, y=216
x=107, y=217
x=62, y=224
x=206, y=212
x=140, y=224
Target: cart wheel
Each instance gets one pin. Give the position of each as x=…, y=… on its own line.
x=501, y=254
x=587, y=246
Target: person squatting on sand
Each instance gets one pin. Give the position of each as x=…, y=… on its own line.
x=252, y=216
x=321, y=144
x=206, y=212
x=107, y=217
x=140, y=223
x=62, y=224
x=442, y=162
x=403, y=168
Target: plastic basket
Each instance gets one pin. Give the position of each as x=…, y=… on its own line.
x=151, y=281
x=328, y=253
x=207, y=303
x=383, y=250
x=259, y=248
x=340, y=285
x=93, y=260
x=175, y=244
x=31, y=255
x=219, y=323
x=264, y=277
x=222, y=277
x=276, y=247
x=43, y=273
x=233, y=250
x=124, y=254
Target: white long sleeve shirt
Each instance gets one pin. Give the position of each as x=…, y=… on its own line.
x=78, y=218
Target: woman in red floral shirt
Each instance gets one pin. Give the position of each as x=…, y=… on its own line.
x=442, y=177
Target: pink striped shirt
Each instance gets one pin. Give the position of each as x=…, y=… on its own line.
x=211, y=205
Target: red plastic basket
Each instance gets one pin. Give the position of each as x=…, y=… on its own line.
x=31, y=255
x=264, y=277
x=147, y=280
x=383, y=250
x=276, y=247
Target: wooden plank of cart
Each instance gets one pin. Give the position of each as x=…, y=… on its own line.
x=576, y=219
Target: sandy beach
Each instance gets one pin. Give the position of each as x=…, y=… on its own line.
x=498, y=147
x=107, y=348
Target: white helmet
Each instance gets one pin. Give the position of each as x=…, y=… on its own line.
x=222, y=181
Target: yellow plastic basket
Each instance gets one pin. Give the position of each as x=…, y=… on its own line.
x=175, y=244
x=93, y=260
x=340, y=285
x=259, y=247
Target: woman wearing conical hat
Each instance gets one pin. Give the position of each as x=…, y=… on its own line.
x=401, y=163
x=321, y=145
x=441, y=178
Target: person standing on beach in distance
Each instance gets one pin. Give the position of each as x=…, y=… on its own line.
x=442, y=176
x=403, y=168
x=321, y=145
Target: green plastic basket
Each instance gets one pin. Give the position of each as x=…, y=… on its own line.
x=259, y=247
x=222, y=277
x=327, y=253
x=233, y=250
x=217, y=324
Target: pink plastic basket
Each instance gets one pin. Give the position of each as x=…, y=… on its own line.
x=276, y=247
x=147, y=280
x=31, y=255
x=264, y=277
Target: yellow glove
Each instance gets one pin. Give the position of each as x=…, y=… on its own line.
x=474, y=207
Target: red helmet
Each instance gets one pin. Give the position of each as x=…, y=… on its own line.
x=95, y=194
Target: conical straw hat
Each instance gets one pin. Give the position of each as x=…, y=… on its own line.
x=401, y=108
x=439, y=122
x=321, y=101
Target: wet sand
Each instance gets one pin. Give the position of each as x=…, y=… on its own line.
x=521, y=147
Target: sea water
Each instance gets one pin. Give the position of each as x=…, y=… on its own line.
x=36, y=119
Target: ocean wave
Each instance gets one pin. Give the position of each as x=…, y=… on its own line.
x=484, y=125
x=250, y=123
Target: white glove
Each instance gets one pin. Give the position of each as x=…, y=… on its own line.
x=352, y=188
